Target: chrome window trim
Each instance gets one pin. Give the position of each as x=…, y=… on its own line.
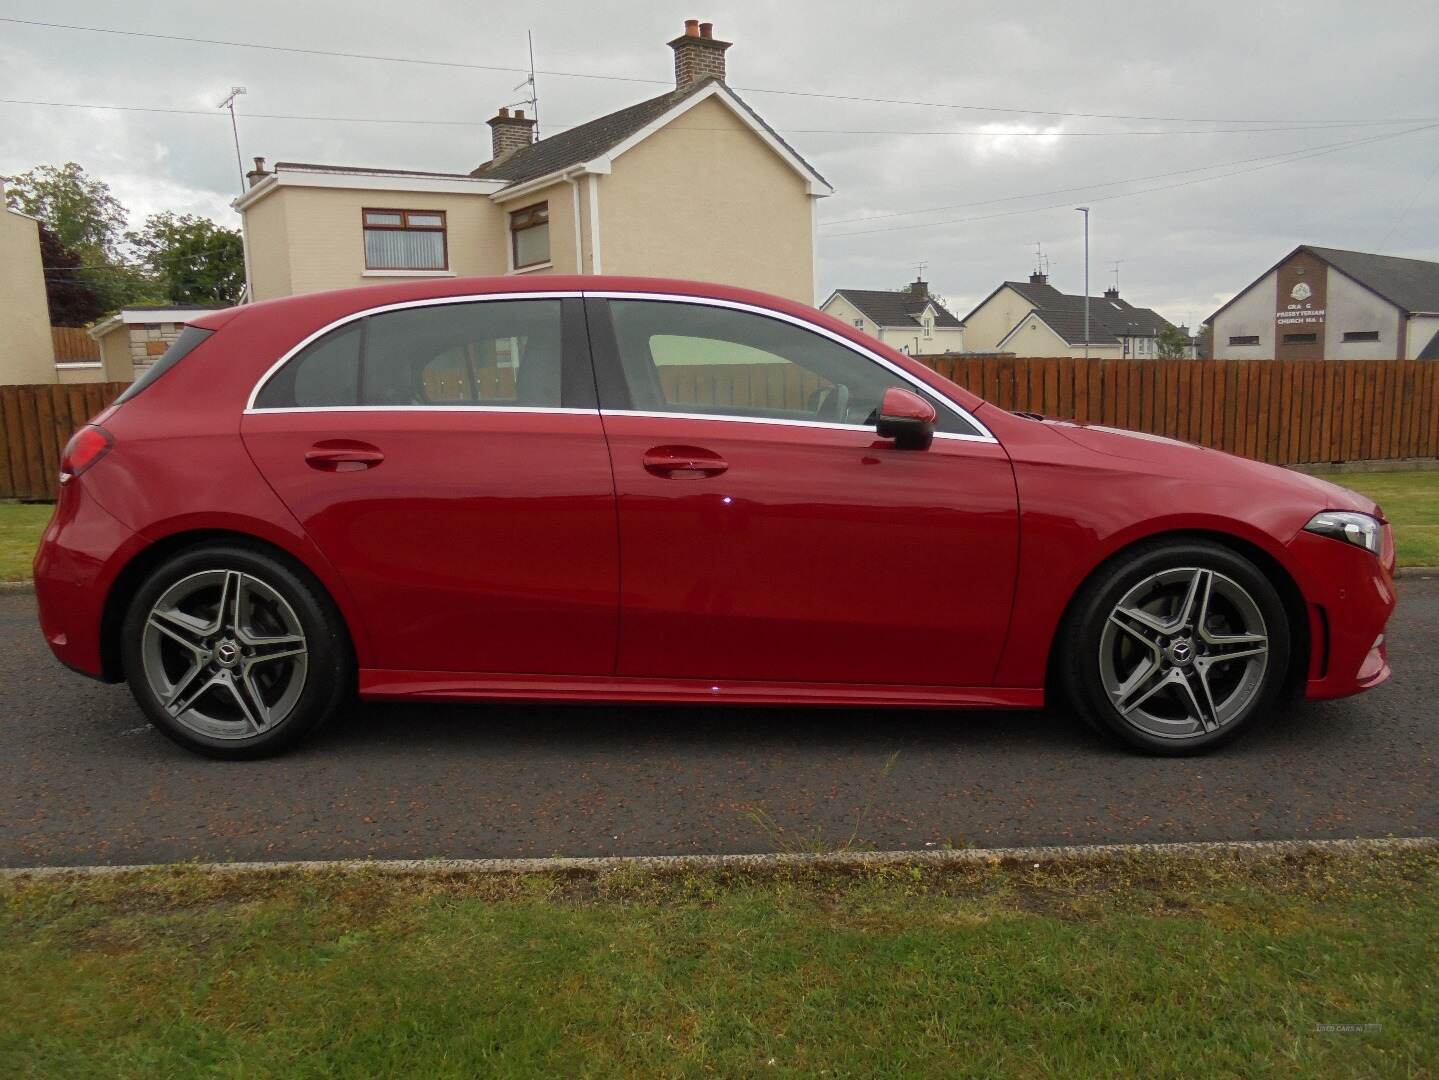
x=431, y=301
x=825, y=425
x=605, y=294
x=709, y=301
x=420, y=408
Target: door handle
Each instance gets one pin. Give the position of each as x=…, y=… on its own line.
x=683, y=462
x=343, y=455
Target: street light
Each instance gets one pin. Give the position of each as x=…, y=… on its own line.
x=1085, y=211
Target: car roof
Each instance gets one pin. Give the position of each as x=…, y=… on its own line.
x=315, y=310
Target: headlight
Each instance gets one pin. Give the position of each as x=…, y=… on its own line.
x=1361, y=530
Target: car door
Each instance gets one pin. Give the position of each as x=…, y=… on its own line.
x=766, y=532
x=448, y=459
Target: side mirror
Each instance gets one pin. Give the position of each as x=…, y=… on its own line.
x=906, y=418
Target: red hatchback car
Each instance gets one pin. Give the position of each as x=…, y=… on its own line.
x=622, y=489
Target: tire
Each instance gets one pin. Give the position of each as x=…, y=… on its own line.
x=1138, y=666
x=234, y=655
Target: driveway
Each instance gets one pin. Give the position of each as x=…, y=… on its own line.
x=83, y=779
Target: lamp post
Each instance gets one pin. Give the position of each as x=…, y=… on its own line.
x=1085, y=211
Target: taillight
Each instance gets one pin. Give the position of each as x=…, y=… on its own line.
x=86, y=446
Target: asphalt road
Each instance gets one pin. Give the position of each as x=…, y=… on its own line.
x=84, y=779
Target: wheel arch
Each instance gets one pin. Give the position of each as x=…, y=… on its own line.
x=1290, y=595
x=127, y=582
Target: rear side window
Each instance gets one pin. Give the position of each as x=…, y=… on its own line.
x=324, y=373
x=180, y=348
x=492, y=353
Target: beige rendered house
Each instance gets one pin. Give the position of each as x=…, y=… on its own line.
x=910, y=320
x=1035, y=319
x=135, y=337
x=26, y=352
x=692, y=183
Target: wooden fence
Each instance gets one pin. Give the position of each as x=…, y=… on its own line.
x=72, y=344
x=35, y=424
x=1281, y=411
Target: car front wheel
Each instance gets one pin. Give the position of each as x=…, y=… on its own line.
x=1177, y=648
x=232, y=654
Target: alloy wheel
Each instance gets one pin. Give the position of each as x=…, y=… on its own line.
x=1183, y=653
x=224, y=654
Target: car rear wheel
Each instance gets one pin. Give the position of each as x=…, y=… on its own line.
x=1176, y=648
x=232, y=654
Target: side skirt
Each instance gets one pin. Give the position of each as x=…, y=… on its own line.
x=380, y=684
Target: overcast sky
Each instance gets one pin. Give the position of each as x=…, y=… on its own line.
x=1183, y=249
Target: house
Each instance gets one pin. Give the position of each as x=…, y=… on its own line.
x=1325, y=302
x=135, y=337
x=1034, y=318
x=692, y=183
x=26, y=354
x=910, y=320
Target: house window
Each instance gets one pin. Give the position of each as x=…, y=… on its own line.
x=1245, y=339
x=530, y=235
x=405, y=240
x=859, y=324
x=928, y=327
x=1361, y=335
x=1300, y=339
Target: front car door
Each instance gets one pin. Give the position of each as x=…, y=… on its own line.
x=766, y=533
x=448, y=459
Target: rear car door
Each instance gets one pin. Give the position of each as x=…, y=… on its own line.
x=766, y=532
x=449, y=460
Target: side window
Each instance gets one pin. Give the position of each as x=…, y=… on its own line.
x=497, y=352
x=494, y=352
x=692, y=358
x=325, y=373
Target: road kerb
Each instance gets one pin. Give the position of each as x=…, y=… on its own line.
x=1247, y=850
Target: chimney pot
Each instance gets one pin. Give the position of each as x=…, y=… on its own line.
x=699, y=55
x=1037, y=278
x=1112, y=293
x=510, y=133
x=504, y=111
x=255, y=175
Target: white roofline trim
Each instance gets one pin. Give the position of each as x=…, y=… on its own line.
x=366, y=181
x=815, y=185
x=137, y=316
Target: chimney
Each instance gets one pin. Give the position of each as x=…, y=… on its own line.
x=1037, y=278
x=698, y=54
x=1112, y=293
x=919, y=288
x=510, y=133
x=258, y=173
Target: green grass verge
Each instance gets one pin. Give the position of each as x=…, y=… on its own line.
x=1153, y=965
x=1411, y=501
x=20, y=527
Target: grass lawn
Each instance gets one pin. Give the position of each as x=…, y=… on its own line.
x=1152, y=965
x=20, y=527
x=1411, y=501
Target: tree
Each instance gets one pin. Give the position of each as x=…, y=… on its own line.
x=88, y=221
x=77, y=208
x=190, y=258
x=71, y=294
x=1206, y=342
x=1173, y=343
